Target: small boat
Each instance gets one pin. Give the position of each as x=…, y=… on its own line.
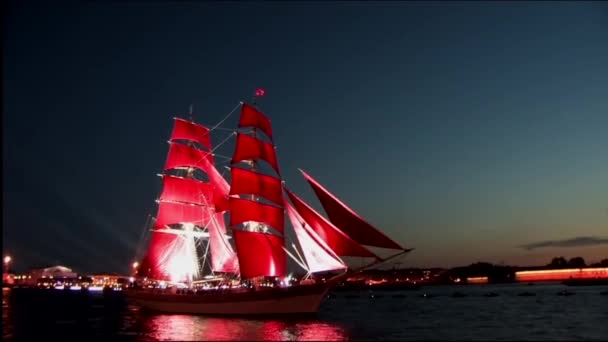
x=526, y=294
x=458, y=295
x=491, y=294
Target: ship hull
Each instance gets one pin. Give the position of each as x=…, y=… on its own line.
x=295, y=300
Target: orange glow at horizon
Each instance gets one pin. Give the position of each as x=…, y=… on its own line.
x=477, y=280
x=562, y=274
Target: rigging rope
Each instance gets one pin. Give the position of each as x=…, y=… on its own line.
x=205, y=256
x=141, y=241
x=224, y=129
x=222, y=142
x=295, y=259
x=216, y=147
x=222, y=156
x=226, y=117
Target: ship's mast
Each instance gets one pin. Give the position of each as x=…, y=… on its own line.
x=189, y=235
x=190, y=175
x=253, y=162
x=256, y=281
x=255, y=135
x=190, y=171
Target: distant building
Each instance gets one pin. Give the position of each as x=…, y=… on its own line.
x=49, y=272
x=109, y=279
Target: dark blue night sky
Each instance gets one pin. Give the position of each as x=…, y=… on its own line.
x=465, y=130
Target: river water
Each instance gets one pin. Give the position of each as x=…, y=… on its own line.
x=474, y=314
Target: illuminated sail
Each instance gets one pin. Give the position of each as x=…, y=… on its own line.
x=319, y=256
x=190, y=131
x=260, y=252
x=348, y=221
x=340, y=243
x=189, y=202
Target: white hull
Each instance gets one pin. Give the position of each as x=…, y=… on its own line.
x=231, y=304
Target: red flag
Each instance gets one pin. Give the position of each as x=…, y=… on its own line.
x=259, y=92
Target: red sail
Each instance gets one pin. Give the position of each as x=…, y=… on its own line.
x=174, y=213
x=164, y=250
x=349, y=221
x=260, y=254
x=250, y=182
x=253, y=117
x=249, y=148
x=185, y=156
x=220, y=189
x=223, y=258
x=187, y=130
x=244, y=210
x=319, y=257
x=186, y=190
x=339, y=242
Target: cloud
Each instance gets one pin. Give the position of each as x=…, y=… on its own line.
x=573, y=242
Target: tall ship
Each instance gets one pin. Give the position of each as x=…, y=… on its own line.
x=223, y=237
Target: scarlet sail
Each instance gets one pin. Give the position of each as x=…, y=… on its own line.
x=244, y=210
x=349, y=221
x=175, y=212
x=223, y=258
x=220, y=189
x=185, y=156
x=186, y=190
x=260, y=254
x=254, y=183
x=339, y=242
x=319, y=257
x=254, y=118
x=165, y=251
x=190, y=131
x=250, y=148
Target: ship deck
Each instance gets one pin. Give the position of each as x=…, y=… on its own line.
x=226, y=295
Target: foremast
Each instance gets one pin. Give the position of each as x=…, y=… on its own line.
x=189, y=207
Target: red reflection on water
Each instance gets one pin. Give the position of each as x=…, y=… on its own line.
x=171, y=327
x=225, y=329
x=189, y=328
x=305, y=331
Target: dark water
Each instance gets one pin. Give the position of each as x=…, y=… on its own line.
x=473, y=315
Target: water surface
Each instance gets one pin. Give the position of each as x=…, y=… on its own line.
x=408, y=315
